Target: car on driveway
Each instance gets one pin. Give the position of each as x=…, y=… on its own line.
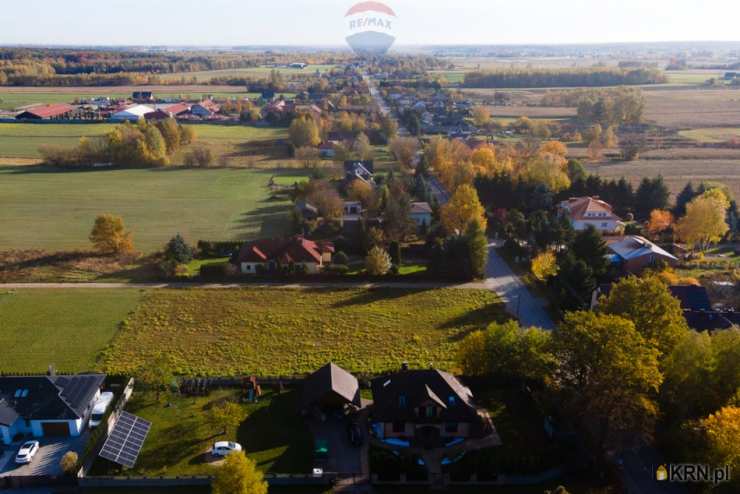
x=223, y=448
x=100, y=408
x=27, y=451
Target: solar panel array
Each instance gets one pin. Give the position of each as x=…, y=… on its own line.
x=125, y=441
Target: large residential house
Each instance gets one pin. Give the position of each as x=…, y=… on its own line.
x=634, y=253
x=274, y=254
x=591, y=211
x=427, y=407
x=43, y=406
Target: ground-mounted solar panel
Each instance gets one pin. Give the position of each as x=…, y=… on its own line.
x=125, y=441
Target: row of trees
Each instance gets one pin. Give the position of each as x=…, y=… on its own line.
x=455, y=163
x=143, y=144
x=620, y=371
x=524, y=78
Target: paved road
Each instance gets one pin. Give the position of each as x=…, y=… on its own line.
x=519, y=301
x=476, y=285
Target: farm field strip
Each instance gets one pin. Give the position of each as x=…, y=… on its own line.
x=282, y=332
x=23, y=140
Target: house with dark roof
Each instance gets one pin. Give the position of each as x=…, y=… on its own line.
x=330, y=388
x=590, y=211
x=43, y=406
x=267, y=255
x=205, y=109
x=429, y=407
x=362, y=170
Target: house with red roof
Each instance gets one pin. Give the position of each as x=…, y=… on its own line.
x=46, y=112
x=591, y=211
x=266, y=255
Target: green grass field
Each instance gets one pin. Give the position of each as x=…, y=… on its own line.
x=285, y=332
x=271, y=433
x=23, y=140
x=67, y=328
x=54, y=210
x=712, y=134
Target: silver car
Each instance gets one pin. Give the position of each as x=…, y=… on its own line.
x=27, y=452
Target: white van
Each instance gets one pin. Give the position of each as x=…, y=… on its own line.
x=101, y=406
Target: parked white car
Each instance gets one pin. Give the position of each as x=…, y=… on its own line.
x=100, y=408
x=223, y=448
x=27, y=452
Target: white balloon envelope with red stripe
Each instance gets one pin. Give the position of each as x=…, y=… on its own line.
x=370, y=27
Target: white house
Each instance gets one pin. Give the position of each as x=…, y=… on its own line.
x=47, y=405
x=591, y=211
x=131, y=114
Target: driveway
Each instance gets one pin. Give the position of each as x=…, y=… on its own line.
x=46, y=461
x=343, y=457
x=520, y=303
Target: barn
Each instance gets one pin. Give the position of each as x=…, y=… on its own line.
x=131, y=114
x=46, y=112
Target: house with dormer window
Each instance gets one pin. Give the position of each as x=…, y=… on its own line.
x=43, y=406
x=426, y=407
x=591, y=211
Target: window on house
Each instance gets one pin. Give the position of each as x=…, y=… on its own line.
x=399, y=427
x=451, y=427
x=431, y=412
x=451, y=400
x=402, y=401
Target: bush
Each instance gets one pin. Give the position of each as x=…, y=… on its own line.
x=340, y=258
x=378, y=262
x=199, y=157
x=216, y=271
x=69, y=462
x=217, y=249
x=340, y=269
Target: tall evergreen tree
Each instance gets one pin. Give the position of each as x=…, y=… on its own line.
x=683, y=198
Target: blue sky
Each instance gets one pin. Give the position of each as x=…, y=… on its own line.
x=320, y=22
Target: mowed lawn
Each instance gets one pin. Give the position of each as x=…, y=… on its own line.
x=23, y=140
x=67, y=328
x=271, y=432
x=272, y=332
x=55, y=210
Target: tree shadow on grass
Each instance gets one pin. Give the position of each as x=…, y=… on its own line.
x=268, y=221
x=278, y=425
x=373, y=295
x=476, y=319
x=181, y=443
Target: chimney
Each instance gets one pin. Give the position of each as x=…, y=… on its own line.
x=52, y=372
x=405, y=366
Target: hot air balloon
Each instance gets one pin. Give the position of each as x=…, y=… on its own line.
x=370, y=28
